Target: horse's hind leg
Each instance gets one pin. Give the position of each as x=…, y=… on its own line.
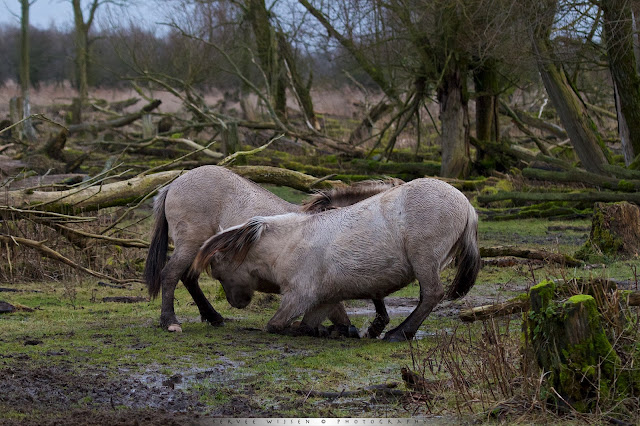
x=380, y=321
x=207, y=312
x=431, y=292
x=175, y=269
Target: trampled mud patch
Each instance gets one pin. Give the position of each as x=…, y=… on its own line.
x=34, y=392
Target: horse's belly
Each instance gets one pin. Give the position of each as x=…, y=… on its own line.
x=367, y=286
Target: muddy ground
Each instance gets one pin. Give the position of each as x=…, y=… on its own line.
x=55, y=393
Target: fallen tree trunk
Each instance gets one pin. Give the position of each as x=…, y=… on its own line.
x=124, y=192
x=512, y=306
x=92, y=197
x=116, y=122
x=549, y=209
x=590, y=197
x=285, y=177
x=519, y=153
x=427, y=168
x=502, y=251
x=521, y=303
x=575, y=175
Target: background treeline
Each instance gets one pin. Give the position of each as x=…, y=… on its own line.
x=117, y=53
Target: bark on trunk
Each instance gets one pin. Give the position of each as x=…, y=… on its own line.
x=618, y=29
x=267, y=51
x=573, y=113
x=81, y=51
x=454, y=118
x=301, y=89
x=485, y=79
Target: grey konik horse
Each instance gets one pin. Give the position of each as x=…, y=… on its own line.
x=199, y=204
x=364, y=251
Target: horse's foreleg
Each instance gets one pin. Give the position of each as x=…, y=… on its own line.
x=341, y=322
x=291, y=307
x=207, y=312
x=380, y=321
x=431, y=292
x=311, y=323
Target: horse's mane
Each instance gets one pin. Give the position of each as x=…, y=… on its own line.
x=233, y=244
x=346, y=196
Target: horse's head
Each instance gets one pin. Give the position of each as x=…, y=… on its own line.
x=238, y=284
x=224, y=255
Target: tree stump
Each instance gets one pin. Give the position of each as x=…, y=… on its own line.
x=570, y=344
x=615, y=231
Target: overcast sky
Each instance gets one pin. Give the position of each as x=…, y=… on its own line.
x=44, y=13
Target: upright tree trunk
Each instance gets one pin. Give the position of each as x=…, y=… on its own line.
x=267, y=50
x=485, y=80
x=27, y=127
x=454, y=119
x=81, y=34
x=573, y=113
x=618, y=29
x=302, y=90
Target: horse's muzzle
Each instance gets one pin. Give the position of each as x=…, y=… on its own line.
x=239, y=301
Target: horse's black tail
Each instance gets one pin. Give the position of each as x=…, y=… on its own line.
x=468, y=258
x=157, y=256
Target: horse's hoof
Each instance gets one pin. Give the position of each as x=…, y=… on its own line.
x=353, y=332
x=216, y=322
x=395, y=337
x=321, y=331
x=175, y=328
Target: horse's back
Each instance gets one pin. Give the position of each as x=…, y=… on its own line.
x=208, y=198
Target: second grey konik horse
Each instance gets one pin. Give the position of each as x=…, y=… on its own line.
x=196, y=206
x=364, y=251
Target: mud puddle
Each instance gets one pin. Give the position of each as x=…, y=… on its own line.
x=185, y=379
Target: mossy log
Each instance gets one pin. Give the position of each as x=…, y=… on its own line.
x=427, y=168
x=515, y=152
x=124, y=192
x=575, y=175
x=548, y=209
x=591, y=197
x=284, y=177
x=571, y=347
x=615, y=231
x=563, y=259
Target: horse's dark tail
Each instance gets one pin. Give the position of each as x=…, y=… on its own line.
x=468, y=258
x=233, y=243
x=157, y=256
